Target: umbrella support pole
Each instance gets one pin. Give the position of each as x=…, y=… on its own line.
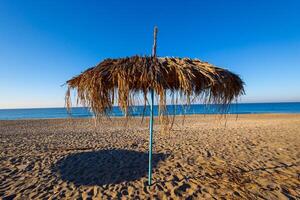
x=150, y=139
x=151, y=114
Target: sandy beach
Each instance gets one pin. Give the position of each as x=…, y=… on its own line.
x=244, y=157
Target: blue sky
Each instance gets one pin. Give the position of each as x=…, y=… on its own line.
x=44, y=43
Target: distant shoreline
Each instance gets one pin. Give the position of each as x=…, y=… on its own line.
x=140, y=117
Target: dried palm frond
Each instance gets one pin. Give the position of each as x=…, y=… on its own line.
x=120, y=79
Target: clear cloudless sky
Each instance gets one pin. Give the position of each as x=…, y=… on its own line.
x=44, y=43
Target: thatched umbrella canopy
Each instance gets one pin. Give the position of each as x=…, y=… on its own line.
x=120, y=79
x=98, y=87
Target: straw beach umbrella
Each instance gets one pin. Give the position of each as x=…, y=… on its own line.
x=119, y=79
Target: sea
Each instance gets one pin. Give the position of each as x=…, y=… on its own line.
x=81, y=112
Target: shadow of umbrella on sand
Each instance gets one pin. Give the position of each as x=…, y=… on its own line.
x=119, y=80
x=104, y=166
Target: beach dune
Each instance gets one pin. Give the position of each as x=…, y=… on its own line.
x=240, y=157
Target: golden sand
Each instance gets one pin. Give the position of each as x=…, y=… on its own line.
x=252, y=157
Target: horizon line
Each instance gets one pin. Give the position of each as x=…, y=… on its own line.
x=147, y=105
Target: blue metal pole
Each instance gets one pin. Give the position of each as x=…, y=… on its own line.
x=151, y=115
x=150, y=138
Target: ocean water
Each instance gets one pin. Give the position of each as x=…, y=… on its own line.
x=244, y=108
